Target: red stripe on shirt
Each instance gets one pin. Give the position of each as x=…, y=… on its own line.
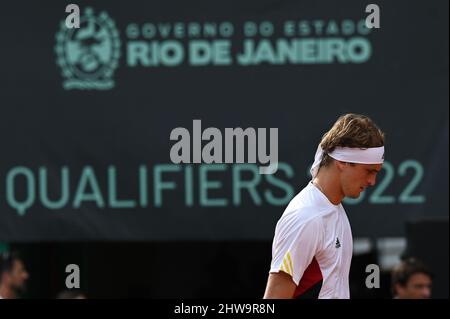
x=311, y=276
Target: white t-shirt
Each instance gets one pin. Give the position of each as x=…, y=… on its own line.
x=313, y=243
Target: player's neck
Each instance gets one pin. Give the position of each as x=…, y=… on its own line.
x=329, y=185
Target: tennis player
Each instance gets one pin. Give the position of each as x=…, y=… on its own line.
x=312, y=246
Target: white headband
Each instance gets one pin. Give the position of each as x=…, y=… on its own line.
x=373, y=155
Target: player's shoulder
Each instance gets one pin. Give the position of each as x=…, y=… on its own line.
x=308, y=205
x=301, y=216
x=299, y=221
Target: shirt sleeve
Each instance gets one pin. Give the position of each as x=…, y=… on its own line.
x=295, y=245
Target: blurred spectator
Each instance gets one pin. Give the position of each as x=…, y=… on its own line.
x=411, y=279
x=71, y=294
x=13, y=275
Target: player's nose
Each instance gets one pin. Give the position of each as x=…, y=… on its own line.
x=372, y=180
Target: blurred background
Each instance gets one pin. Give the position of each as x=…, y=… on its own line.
x=86, y=176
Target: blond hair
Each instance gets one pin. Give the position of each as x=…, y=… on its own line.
x=351, y=130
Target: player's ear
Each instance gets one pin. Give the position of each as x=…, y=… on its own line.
x=339, y=165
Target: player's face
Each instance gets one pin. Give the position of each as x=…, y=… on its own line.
x=355, y=178
x=417, y=287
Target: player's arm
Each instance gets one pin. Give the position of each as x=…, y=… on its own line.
x=279, y=286
x=294, y=247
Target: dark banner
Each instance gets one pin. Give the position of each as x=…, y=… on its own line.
x=88, y=114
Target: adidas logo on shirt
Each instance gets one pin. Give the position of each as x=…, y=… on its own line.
x=338, y=244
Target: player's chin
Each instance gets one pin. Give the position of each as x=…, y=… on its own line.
x=354, y=195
